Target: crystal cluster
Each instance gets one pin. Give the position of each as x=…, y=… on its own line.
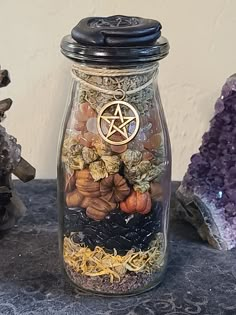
x=207, y=194
x=9, y=152
x=11, y=207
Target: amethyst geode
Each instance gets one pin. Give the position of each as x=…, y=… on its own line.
x=207, y=195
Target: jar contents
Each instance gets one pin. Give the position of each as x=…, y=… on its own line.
x=114, y=159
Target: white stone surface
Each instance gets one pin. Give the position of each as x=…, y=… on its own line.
x=203, y=50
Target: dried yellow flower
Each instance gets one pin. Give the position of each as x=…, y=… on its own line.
x=95, y=263
x=131, y=157
x=141, y=186
x=76, y=162
x=138, y=172
x=142, y=174
x=112, y=163
x=101, y=147
x=76, y=149
x=71, y=154
x=71, y=146
x=155, y=172
x=98, y=170
x=143, y=168
x=89, y=155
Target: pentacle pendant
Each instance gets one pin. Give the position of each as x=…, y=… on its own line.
x=117, y=123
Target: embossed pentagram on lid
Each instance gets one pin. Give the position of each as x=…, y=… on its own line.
x=117, y=30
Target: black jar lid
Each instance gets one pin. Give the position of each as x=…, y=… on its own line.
x=115, y=40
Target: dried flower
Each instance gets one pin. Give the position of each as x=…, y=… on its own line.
x=89, y=155
x=98, y=170
x=71, y=146
x=71, y=154
x=144, y=167
x=101, y=147
x=131, y=157
x=97, y=262
x=76, y=149
x=142, y=174
x=138, y=172
x=76, y=162
x=112, y=163
x=141, y=186
x=155, y=172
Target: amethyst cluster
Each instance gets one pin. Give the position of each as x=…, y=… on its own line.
x=207, y=195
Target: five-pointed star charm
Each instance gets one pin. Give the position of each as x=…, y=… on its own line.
x=113, y=114
x=121, y=128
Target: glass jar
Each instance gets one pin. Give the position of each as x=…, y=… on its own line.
x=114, y=162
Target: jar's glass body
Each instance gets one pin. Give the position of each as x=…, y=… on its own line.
x=114, y=175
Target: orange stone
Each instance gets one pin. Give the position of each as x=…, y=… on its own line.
x=153, y=142
x=117, y=137
x=87, y=110
x=82, y=140
x=147, y=156
x=84, y=113
x=80, y=117
x=119, y=148
x=91, y=137
x=80, y=126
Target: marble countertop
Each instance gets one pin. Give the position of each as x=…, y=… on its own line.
x=199, y=279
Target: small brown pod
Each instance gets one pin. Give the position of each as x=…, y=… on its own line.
x=74, y=199
x=114, y=188
x=86, y=185
x=99, y=208
x=85, y=202
x=94, y=214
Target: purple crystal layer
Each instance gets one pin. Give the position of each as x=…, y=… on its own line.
x=211, y=175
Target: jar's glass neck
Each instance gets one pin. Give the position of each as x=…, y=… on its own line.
x=124, y=70
x=116, y=82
